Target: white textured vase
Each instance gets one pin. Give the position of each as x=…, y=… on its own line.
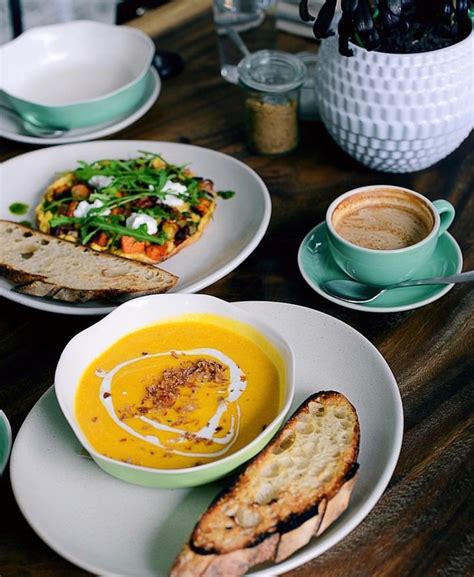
x=397, y=112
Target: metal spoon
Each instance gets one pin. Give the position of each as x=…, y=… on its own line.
x=352, y=291
x=34, y=128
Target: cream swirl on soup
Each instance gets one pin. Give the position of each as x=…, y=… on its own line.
x=236, y=384
x=180, y=393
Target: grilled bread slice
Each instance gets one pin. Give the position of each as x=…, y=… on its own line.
x=45, y=266
x=293, y=490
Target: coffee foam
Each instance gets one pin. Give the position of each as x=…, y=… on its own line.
x=383, y=219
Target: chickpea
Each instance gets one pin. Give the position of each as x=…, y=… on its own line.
x=80, y=192
x=158, y=163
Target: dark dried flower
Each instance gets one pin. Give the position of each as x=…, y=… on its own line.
x=396, y=26
x=322, y=25
x=364, y=27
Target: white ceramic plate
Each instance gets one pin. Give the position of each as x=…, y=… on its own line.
x=237, y=227
x=115, y=529
x=11, y=127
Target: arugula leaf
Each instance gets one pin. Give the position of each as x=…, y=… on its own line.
x=157, y=213
x=102, y=196
x=87, y=236
x=226, y=193
x=53, y=204
x=62, y=220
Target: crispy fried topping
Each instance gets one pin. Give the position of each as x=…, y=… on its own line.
x=191, y=374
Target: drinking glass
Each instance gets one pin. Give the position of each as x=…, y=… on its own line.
x=243, y=27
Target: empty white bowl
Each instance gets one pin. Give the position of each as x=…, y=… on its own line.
x=75, y=74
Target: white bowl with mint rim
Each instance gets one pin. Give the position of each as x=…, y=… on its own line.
x=76, y=74
x=142, y=312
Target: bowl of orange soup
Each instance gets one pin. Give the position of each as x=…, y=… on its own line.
x=175, y=390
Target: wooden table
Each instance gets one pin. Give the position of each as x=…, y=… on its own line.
x=423, y=523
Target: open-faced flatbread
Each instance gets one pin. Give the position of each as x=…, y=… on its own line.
x=144, y=209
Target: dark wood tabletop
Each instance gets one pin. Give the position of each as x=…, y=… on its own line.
x=422, y=525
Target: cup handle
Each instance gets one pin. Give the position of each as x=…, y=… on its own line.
x=446, y=213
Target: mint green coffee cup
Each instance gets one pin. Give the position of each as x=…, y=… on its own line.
x=380, y=235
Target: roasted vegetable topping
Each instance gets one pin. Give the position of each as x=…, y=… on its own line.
x=136, y=206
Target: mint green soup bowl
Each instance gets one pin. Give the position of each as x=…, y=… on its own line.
x=76, y=74
x=142, y=312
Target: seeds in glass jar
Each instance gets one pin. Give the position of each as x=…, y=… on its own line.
x=272, y=126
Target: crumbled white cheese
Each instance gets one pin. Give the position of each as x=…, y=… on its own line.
x=101, y=181
x=151, y=187
x=174, y=188
x=136, y=219
x=84, y=207
x=171, y=200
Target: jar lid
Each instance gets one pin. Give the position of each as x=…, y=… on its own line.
x=310, y=59
x=272, y=71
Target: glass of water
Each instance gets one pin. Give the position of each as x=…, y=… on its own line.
x=243, y=27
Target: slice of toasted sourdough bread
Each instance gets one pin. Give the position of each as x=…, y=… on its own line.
x=45, y=266
x=293, y=490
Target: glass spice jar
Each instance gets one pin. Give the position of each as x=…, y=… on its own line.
x=271, y=80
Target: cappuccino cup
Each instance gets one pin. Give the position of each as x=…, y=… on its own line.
x=381, y=234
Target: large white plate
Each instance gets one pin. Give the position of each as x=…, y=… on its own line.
x=237, y=227
x=11, y=127
x=112, y=528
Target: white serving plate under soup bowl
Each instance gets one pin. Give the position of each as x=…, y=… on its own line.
x=143, y=312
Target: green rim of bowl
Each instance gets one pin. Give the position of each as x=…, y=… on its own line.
x=5, y=441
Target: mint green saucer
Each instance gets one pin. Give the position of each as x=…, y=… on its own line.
x=317, y=266
x=5, y=440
